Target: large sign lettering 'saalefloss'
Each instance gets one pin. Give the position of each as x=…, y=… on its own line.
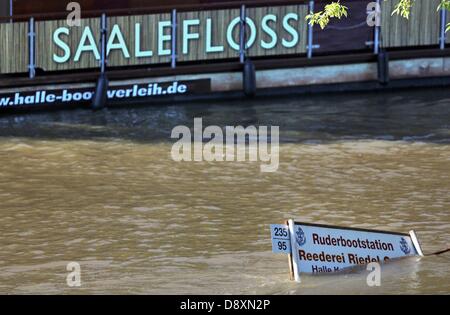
x=147, y=39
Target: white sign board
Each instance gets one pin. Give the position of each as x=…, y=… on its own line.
x=317, y=249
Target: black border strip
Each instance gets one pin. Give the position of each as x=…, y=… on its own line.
x=305, y=90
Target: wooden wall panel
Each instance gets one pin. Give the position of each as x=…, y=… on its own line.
x=45, y=48
x=197, y=47
x=148, y=39
x=221, y=19
x=421, y=29
x=14, y=53
x=257, y=15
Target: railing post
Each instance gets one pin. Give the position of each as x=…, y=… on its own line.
x=376, y=40
x=103, y=32
x=31, y=48
x=442, y=31
x=310, y=32
x=11, y=11
x=100, y=96
x=242, y=37
x=174, y=39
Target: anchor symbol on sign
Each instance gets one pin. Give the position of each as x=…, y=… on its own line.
x=301, y=238
x=404, y=246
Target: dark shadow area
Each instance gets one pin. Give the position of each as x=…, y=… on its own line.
x=407, y=115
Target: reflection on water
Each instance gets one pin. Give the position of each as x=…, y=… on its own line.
x=100, y=189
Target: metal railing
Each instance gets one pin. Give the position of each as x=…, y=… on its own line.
x=310, y=46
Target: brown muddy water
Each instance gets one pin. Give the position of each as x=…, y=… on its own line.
x=101, y=189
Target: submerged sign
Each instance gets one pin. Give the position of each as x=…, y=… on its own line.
x=316, y=249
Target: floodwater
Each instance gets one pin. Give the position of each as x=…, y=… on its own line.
x=101, y=189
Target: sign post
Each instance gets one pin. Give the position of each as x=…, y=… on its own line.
x=294, y=254
x=416, y=243
x=317, y=249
